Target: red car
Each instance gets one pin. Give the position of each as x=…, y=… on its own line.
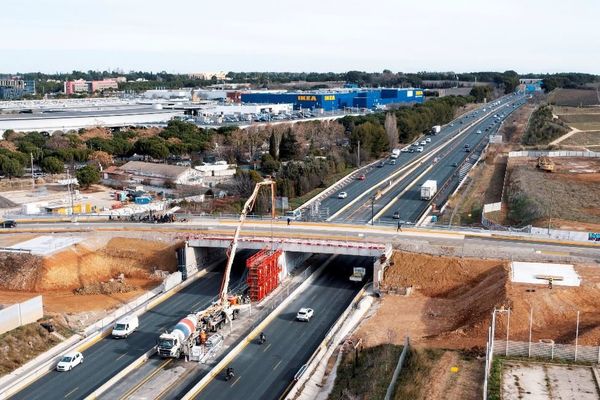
x=362, y=177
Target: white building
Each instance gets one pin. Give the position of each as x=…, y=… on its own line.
x=153, y=174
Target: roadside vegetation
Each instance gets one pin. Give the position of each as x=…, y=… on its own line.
x=368, y=377
x=543, y=127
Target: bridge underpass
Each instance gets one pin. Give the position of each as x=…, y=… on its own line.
x=294, y=251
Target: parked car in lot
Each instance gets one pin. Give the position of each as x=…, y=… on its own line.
x=342, y=195
x=69, y=361
x=305, y=314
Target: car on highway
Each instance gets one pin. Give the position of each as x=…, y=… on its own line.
x=392, y=162
x=405, y=150
x=342, y=195
x=423, y=143
x=428, y=140
x=381, y=164
x=420, y=149
x=478, y=131
x=125, y=326
x=69, y=361
x=362, y=177
x=9, y=223
x=305, y=314
x=467, y=149
x=396, y=215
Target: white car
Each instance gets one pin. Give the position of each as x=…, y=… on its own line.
x=478, y=131
x=420, y=149
x=423, y=142
x=428, y=140
x=305, y=314
x=69, y=361
x=342, y=195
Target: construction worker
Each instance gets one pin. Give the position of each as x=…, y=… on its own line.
x=399, y=229
x=550, y=282
x=289, y=220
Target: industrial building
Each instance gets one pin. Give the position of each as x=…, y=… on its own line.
x=335, y=100
x=12, y=89
x=152, y=174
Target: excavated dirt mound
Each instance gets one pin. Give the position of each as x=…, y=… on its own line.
x=452, y=301
x=80, y=266
x=19, y=271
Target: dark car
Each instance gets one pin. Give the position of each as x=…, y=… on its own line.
x=9, y=224
x=381, y=165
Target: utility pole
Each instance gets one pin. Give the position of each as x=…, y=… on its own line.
x=32, y=177
x=372, y=210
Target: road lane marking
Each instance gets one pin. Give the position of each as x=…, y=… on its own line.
x=276, y=365
x=267, y=348
x=121, y=356
x=236, y=381
x=71, y=392
x=146, y=379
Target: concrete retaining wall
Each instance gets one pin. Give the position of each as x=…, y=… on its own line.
x=536, y=153
x=20, y=314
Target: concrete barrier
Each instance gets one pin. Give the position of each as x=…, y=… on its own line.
x=122, y=373
x=259, y=328
x=33, y=370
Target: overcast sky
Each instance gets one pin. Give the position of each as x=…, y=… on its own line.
x=307, y=35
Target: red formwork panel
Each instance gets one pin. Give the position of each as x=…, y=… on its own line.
x=263, y=273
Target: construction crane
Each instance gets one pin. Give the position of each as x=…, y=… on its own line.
x=233, y=246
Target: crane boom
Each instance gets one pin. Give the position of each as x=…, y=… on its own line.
x=233, y=246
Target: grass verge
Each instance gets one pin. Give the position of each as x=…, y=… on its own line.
x=415, y=374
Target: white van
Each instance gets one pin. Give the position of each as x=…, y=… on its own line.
x=125, y=326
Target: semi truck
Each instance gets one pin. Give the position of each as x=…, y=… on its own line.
x=428, y=189
x=395, y=153
x=436, y=129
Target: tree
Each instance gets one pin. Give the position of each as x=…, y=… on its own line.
x=154, y=147
x=481, y=93
x=391, y=129
x=288, y=148
x=274, y=143
x=268, y=164
x=52, y=165
x=11, y=167
x=101, y=158
x=87, y=176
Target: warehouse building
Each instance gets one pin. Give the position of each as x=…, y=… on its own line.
x=152, y=174
x=335, y=100
x=13, y=89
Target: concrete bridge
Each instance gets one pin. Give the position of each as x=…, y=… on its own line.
x=199, y=249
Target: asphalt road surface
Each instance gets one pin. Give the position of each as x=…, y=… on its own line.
x=265, y=371
x=107, y=357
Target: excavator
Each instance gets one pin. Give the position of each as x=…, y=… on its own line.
x=545, y=164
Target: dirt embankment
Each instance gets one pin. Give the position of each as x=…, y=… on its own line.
x=79, y=265
x=452, y=301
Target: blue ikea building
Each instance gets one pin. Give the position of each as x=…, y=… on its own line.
x=334, y=100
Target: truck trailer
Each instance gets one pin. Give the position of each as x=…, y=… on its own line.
x=436, y=129
x=428, y=189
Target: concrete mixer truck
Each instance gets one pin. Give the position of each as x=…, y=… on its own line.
x=180, y=340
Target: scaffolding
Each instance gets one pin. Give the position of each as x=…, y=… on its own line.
x=263, y=273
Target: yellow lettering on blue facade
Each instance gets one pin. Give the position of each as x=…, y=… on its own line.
x=419, y=93
x=329, y=98
x=307, y=98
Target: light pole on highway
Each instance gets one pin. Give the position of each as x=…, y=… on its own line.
x=372, y=210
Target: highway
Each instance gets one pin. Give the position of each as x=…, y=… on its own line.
x=108, y=356
x=375, y=175
x=451, y=166
x=265, y=371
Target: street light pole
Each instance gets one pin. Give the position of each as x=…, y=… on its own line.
x=372, y=210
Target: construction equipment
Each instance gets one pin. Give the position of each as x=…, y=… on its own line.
x=233, y=247
x=545, y=164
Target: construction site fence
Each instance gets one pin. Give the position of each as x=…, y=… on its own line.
x=20, y=314
x=558, y=153
x=390, y=390
x=549, y=351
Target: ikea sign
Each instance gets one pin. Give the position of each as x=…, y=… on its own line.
x=419, y=93
x=329, y=98
x=307, y=98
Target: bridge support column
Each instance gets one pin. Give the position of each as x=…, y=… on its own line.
x=196, y=258
x=379, y=267
x=290, y=260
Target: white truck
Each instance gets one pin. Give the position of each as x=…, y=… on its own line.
x=395, y=153
x=428, y=189
x=358, y=274
x=180, y=340
x=436, y=129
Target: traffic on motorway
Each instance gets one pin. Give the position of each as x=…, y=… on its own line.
x=358, y=200
x=107, y=357
x=265, y=371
